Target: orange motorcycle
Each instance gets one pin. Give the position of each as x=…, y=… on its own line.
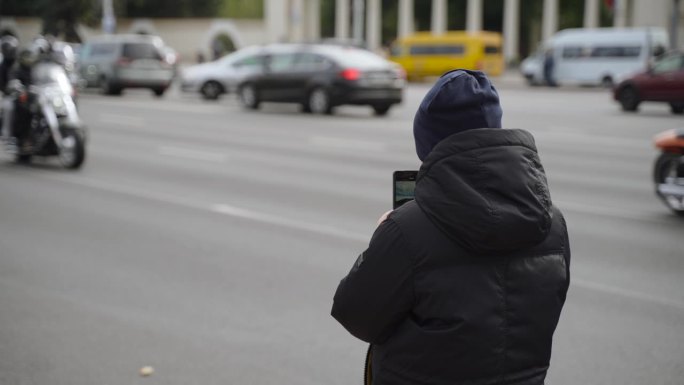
x=668, y=171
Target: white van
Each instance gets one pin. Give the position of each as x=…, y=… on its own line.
x=596, y=56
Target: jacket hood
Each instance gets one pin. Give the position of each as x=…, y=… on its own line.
x=460, y=100
x=486, y=189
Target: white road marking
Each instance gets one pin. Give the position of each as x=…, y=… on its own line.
x=122, y=120
x=193, y=154
x=322, y=229
x=627, y=293
x=172, y=106
x=604, y=211
x=593, y=140
x=256, y=216
x=347, y=144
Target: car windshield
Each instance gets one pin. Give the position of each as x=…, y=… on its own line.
x=668, y=64
x=354, y=57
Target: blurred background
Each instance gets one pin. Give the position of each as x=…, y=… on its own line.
x=237, y=154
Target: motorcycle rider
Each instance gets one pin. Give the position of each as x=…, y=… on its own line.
x=17, y=116
x=9, y=46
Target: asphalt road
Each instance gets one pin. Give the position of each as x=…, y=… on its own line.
x=206, y=241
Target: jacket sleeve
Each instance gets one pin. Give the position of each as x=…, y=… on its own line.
x=377, y=294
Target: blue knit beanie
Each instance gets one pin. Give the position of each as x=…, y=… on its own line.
x=460, y=100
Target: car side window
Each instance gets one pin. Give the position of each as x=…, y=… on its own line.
x=102, y=49
x=283, y=62
x=250, y=62
x=307, y=62
x=668, y=64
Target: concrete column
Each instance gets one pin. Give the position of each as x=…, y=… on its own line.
x=591, y=13
x=439, y=16
x=620, y=13
x=405, y=18
x=511, y=32
x=474, y=16
x=550, y=19
x=313, y=20
x=674, y=24
x=373, y=25
x=297, y=21
x=276, y=13
x=342, y=17
x=357, y=32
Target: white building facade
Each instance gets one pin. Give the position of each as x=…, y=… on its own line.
x=300, y=21
x=288, y=20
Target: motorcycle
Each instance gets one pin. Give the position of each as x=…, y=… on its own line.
x=55, y=127
x=668, y=171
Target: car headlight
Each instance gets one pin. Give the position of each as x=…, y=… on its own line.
x=59, y=106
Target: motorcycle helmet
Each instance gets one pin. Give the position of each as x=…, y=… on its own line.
x=10, y=46
x=40, y=47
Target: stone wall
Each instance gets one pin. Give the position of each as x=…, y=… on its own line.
x=187, y=36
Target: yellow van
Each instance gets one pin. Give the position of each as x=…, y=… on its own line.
x=424, y=54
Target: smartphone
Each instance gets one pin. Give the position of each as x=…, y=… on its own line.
x=404, y=186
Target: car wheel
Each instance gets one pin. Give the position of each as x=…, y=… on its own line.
x=319, y=101
x=667, y=168
x=108, y=88
x=305, y=108
x=159, y=92
x=211, y=90
x=23, y=158
x=629, y=99
x=677, y=108
x=381, y=109
x=72, y=152
x=249, y=97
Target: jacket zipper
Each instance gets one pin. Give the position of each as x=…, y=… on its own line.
x=367, y=375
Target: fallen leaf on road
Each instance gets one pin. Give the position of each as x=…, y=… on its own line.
x=146, y=371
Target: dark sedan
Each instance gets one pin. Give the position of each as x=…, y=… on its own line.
x=663, y=82
x=321, y=77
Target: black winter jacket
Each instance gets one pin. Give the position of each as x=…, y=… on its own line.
x=464, y=285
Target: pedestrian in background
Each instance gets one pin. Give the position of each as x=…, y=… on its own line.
x=549, y=68
x=465, y=284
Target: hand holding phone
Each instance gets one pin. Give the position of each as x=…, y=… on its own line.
x=404, y=185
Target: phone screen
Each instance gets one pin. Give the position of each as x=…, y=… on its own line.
x=404, y=187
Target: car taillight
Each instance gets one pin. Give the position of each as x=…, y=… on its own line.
x=351, y=74
x=401, y=73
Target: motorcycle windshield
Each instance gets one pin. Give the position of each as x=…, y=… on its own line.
x=53, y=75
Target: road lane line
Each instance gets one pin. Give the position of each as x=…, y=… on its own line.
x=606, y=211
x=593, y=140
x=347, y=144
x=222, y=209
x=256, y=216
x=321, y=229
x=122, y=120
x=193, y=154
x=627, y=293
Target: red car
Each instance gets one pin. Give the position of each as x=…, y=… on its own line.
x=662, y=82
